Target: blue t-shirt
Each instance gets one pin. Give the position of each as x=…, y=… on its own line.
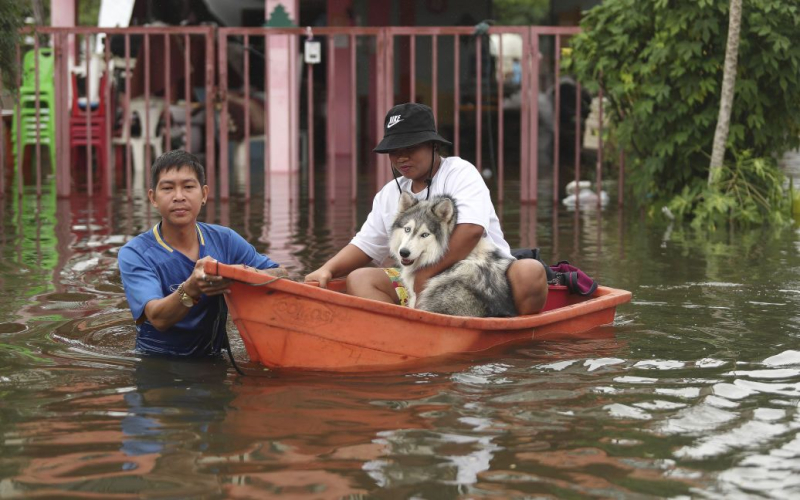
x=151, y=269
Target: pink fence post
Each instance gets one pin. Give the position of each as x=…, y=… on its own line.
x=107, y=96
x=62, y=80
x=389, y=97
x=478, y=103
x=246, y=117
x=557, y=121
x=38, y=111
x=187, y=88
x=353, y=120
x=533, y=142
x=267, y=142
x=210, y=98
x=127, y=119
x=310, y=124
x=147, y=153
x=599, y=174
x=167, y=92
x=577, y=145
x=294, y=124
x=435, y=72
x=380, y=92
x=20, y=159
x=413, y=68
x=456, y=93
x=524, y=117
x=89, y=176
x=224, y=188
x=331, y=180
x=500, y=137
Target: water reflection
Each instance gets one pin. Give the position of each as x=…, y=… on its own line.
x=693, y=391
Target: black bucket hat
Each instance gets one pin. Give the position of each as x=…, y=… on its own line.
x=407, y=125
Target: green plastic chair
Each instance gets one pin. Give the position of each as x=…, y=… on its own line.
x=46, y=68
x=46, y=78
x=27, y=129
x=24, y=122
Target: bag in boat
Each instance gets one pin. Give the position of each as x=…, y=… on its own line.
x=563, y=273
x=574, y=279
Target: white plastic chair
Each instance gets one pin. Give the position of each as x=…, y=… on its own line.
x=156, y=137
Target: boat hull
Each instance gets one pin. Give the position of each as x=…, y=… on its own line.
x=285, y=324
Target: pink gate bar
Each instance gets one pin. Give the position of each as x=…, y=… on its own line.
x=556, y=115
x=389, y=42
x=331, y=166
x=38, y=118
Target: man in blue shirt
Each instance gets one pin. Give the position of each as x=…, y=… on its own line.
x=177, y=308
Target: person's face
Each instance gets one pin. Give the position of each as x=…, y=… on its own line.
x=178, y=196
x=413, y=162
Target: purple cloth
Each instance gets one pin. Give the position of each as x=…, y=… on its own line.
x=574, y=279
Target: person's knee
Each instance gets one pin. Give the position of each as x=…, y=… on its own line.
x=527, y=272
x=528, y=281
x=371, y=283
x=357, y=280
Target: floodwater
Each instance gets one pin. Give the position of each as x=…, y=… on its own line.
x=694, y=391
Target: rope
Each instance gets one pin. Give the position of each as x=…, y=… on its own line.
x=273, y=280
x=230, y=355
x=227, y=339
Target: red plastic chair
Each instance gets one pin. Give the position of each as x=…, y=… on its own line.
x=100, y=111
x=79, y=133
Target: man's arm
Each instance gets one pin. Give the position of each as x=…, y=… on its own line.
x=168, y=311
x=463, y=240
x=348, y=259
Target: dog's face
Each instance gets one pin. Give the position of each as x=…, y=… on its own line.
x=421, y=230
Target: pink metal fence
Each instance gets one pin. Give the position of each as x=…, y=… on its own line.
x=393, y=57
x=263, y=36
x=530, y=88
x=72, y=51
x=394, y=47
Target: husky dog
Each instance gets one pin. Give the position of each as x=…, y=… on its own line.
x=476, y=286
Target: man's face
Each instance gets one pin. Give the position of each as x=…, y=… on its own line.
x=178, y=196
x=413, y=162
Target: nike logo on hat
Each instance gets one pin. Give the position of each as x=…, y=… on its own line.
x=393, y=120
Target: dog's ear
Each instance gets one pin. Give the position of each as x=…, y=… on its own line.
x=444, y=209
x=406, y=201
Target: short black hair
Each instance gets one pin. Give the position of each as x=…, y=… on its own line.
x=173, y=160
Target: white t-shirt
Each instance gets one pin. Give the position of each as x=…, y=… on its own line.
x=457, y=178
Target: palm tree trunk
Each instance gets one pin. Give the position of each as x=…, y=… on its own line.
x=728, y=86
x=38, y=12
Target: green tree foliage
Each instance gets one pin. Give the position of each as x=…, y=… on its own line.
x=660, y=64
x=12, y=18
x=521, y=12
x=747, y=190
x=88, y=12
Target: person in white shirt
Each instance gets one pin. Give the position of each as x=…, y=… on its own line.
x=411, y=141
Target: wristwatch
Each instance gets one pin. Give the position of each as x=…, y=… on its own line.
x=186, y=299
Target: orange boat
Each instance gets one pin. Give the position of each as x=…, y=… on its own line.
x=286, y=324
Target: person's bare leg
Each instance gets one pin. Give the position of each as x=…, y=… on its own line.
x=372, y=283
x=528, y=282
